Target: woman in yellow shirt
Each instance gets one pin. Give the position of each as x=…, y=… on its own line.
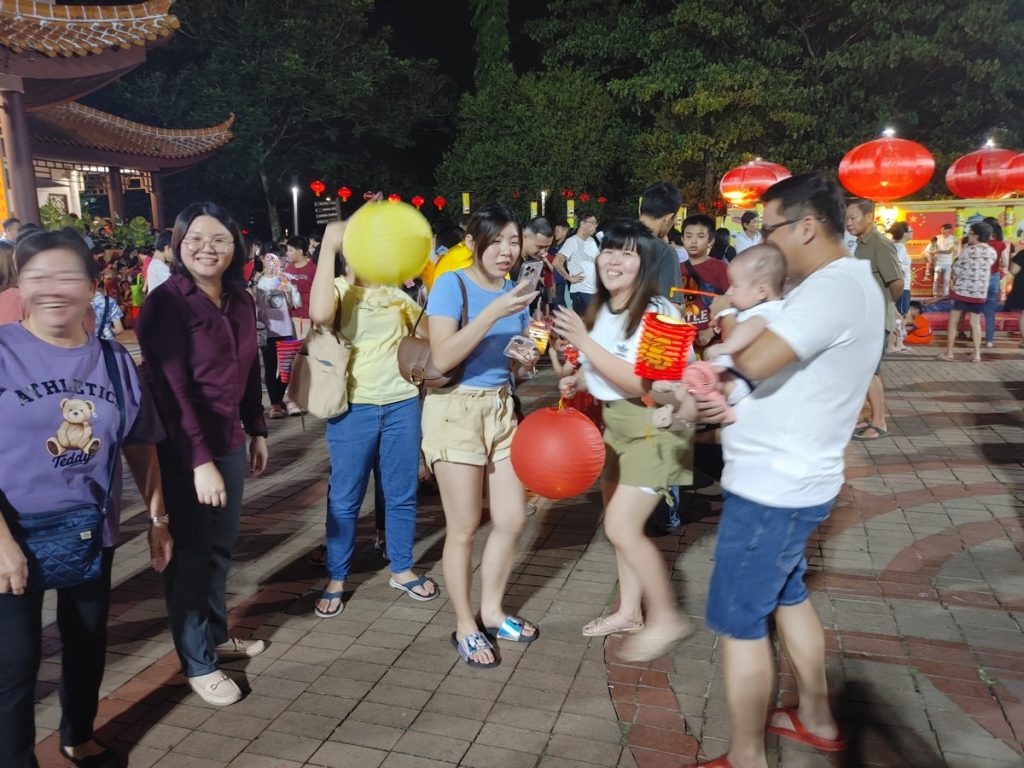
x=382, y=424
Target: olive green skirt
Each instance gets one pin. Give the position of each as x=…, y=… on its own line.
x=642, y=455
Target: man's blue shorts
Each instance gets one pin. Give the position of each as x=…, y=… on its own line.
x=760, y=562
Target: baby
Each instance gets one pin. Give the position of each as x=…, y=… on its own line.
x=757, y=276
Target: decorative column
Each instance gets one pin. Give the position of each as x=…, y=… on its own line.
x=156, y=199
x=115, y=193
x=18, y=153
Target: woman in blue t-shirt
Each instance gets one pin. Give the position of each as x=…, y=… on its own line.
x=468, y=427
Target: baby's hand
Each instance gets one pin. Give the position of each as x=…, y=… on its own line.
x=713, y=352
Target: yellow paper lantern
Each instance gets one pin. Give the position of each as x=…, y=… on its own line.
x=387, y=243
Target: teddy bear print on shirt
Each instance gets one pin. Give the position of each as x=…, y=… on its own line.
x=75, y=433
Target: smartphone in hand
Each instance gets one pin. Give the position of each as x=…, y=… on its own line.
x=529, y=273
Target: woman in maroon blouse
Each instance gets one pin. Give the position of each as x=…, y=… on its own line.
x=197, y=332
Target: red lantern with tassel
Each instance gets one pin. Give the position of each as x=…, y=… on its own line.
x=344, y=193
x=742, y=186
x=439, y=202
x=557, y=452
x=979, y=174
x=318, y=187
x=418, y=201
x=886, y=169
x=393, y=198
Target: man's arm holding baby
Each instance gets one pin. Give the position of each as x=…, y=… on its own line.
x=739, y=337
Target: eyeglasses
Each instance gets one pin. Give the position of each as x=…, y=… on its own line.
x=766, y=231
x=195, y=243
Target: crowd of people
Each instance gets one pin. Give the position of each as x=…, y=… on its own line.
x=791, y=330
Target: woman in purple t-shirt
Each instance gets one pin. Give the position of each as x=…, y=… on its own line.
x=58, y=408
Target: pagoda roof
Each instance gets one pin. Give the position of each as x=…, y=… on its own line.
x=81, y=30
x=76, y=132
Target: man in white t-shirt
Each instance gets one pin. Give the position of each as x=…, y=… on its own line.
x=577, y=263
x=750, y=234
x=784, y=466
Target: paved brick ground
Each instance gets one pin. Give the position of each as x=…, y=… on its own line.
x=918, y=577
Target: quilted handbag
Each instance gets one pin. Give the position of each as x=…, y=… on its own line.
x=414, y=361
x=318, y=380
x=65, y=547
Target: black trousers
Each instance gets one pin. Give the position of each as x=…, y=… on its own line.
x=82, y=619
x=196, y=580
x=275, y=387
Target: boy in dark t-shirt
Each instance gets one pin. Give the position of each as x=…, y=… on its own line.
x=701, y=272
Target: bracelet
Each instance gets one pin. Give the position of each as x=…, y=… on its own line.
x=159, y=519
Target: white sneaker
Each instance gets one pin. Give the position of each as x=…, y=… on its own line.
x=237, y=648
x=216, y=688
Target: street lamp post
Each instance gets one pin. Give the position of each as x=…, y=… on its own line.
x=295, y=206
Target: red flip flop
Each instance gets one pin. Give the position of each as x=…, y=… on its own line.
x=801, y=734
x=718, y=762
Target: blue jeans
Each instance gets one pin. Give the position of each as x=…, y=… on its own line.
x=388, y=436
x=991, y=305
x=760, y=562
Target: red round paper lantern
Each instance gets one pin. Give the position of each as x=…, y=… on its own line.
x=318, y=187
x=439, y=202
x=602, y=200
x=886, y=169
x=394, y=198
x=557, y=453
x=584, y=197
x=417, y=200
x=979, y=174
x=344, y=193
x=1013, y=175
x=743, y=185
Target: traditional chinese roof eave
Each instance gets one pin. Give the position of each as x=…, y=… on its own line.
x=77, y=133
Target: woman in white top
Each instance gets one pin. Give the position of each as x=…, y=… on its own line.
x=642, y=462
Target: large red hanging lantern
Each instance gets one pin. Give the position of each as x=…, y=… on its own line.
x=318, y=187
x=1013, y=175
x=886, y=169
x=584, y=197
x=344, y=193
x=602, y=200
x=557, y=452
x=979, y=174
x=417, y=200
x=394, y=198
x=439, y=202
x=744, y=185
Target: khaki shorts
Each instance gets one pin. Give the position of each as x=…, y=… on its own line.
x=467, y=425
x=641, y=455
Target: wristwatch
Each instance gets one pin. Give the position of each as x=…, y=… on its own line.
x=159, y=519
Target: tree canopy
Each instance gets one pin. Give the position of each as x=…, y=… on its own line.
x=627, y=92
x=313, y=90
